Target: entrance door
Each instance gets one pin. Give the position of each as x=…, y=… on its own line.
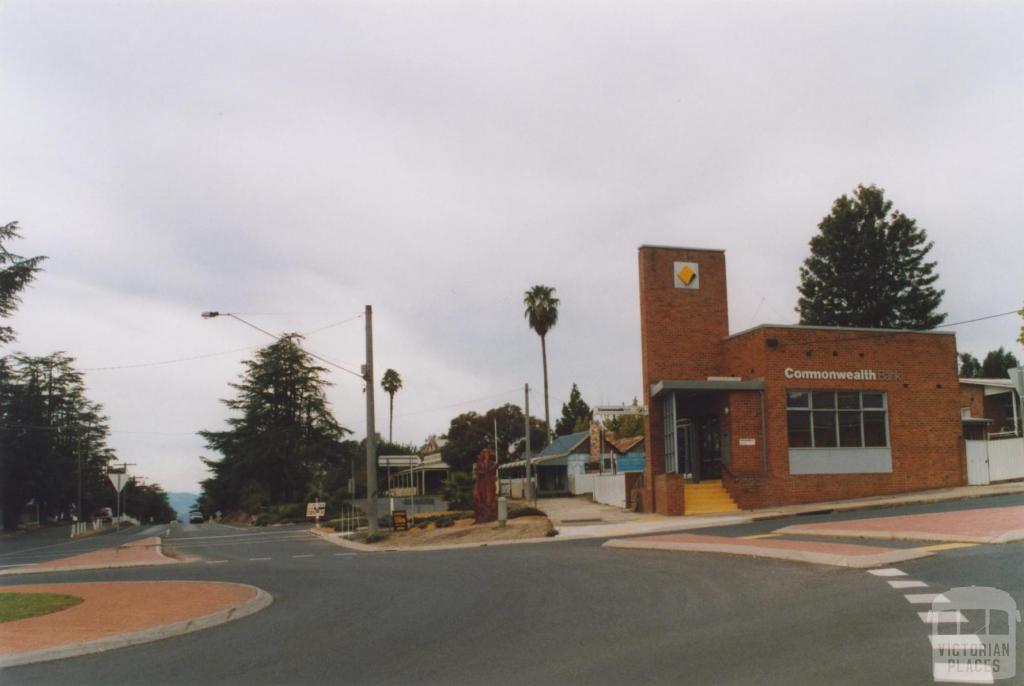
x=977, y=463
x=709, y=441
x=686, y=445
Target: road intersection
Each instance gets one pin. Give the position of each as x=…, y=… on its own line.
x=563, y=612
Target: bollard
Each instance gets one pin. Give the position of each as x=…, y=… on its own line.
x=502, y=510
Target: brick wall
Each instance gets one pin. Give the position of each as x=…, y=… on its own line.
x=684, y=335
x=680, y=337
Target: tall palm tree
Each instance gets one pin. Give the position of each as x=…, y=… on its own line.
x=542, y=314
x=391, y=382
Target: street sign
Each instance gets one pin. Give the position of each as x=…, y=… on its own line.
x=619, y=410
x=399, y=520
x=316, y=509
x=118, y=479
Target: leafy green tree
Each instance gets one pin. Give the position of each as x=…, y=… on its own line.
x=867, y=268
x=147, y=502
x=284, y=439
x=970, y=368
x=391, y=382
x=626, y=425
x=1021, y=338
x=576, y=414
x=16, y=272
x=542, y=315
x=998, y=363
x=471, y=432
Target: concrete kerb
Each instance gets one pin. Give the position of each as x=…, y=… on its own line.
x=32, y=569
x=913, y=535
x=339, y=540
x=186, y=626
x=853, y=561
x=878, y=502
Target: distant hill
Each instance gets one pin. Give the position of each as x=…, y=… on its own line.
x=182, y=503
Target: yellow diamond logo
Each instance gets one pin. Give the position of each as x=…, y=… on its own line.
x=686, y=275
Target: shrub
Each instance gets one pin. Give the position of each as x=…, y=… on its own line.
x=458, y=490
x=526, y=511
x=262, y=519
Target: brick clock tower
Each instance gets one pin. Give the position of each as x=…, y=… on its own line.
x=684, y=315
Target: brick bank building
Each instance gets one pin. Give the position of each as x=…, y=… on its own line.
x=780, y=415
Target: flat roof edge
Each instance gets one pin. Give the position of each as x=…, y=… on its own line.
x=812, y=327
x=679, y=247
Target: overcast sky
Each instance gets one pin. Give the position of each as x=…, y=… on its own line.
x=297, y=161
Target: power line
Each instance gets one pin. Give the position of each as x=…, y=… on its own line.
x=463, y=402
x=160, y=363
x=882, y=333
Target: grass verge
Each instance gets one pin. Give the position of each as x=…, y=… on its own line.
x=15, y=606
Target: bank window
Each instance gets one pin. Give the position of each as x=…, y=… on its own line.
x=836, y=419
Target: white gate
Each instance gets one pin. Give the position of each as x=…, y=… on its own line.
x=977, y=463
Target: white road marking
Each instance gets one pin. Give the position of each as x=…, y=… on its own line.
x=888, y=571
x=345, y=554
x=943, y=617
x=302, y=556
x=215, y=562
x=925, y=598
x=24, y=564
x=908, y=584
x=256, y=559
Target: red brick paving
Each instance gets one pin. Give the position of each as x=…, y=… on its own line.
x=984, y=525
x=113, y=608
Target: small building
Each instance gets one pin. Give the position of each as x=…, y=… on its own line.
x=563, y=456
x=781, y=414
x=990, y=408
x=424, y=476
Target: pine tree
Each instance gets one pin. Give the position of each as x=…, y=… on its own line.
x=284, y=439
x=576, y=414
x=16, y=272
x=867, y=268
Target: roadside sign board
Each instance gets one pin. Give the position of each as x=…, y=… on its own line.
x=316, y=509
x=118, y=479
x=619, y=410
x=399, y=520
x=1017, y=377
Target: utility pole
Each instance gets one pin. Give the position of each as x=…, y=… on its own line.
x=529, y=455
x=371, y=431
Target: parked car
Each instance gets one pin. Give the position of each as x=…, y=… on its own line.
x=195, y=517
x=103, y=515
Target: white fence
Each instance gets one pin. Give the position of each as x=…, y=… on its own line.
x=1006, y=459
x=610, y=489
x=581, y=483
x=998, y=460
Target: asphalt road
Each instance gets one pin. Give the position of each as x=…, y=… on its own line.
x=560, y=612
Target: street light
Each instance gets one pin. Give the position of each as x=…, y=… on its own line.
x=367, y=377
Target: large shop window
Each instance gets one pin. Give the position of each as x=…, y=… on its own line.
x=837, y=419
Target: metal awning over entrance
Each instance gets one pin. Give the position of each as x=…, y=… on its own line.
x=711, y=384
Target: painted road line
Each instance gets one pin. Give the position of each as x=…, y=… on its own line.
x=258, y=559
x=943, y=617
x=345, y=554
x=946, y=546
x=925, y=598
x=760, y=536
x=907, y=584
x=295, y=556
x=216, y=562
x=888, y=571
